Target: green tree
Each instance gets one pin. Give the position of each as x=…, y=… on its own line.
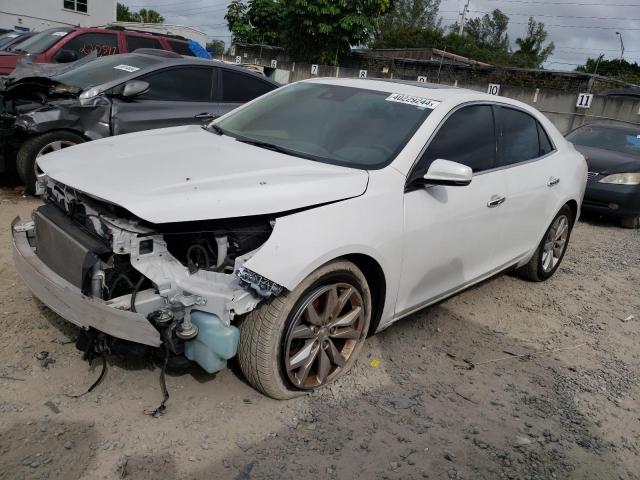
x=323, y=30
x=532, y=53
x=123, y=14
x=148, y=15
x=489, y=31
x=620, y=69
x=413, y=14
x=312, y=30
x=216, y=46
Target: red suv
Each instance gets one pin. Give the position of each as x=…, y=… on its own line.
x=68, y=44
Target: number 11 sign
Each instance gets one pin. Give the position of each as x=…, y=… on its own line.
x=584, y=100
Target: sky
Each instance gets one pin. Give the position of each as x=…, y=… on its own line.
x=579, y=28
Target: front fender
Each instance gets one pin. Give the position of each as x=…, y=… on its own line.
x=371, y=224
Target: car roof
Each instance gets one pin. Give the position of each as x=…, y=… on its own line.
x=178, y=60
x=433, y=91
x=612, y=126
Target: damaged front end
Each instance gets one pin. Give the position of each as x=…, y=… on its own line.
x=180, y=285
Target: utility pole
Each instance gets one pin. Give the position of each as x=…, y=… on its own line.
x=464, y=14
x=621, y=45
x=595, y=70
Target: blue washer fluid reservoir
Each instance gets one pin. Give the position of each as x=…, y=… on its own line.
x=215, y=343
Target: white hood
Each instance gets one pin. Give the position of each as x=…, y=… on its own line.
x=186, y=173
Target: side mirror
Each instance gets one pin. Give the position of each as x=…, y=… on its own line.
x=66, y=56
x=445, y=172
x=135, y=88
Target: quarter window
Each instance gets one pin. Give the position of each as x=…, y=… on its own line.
x=180, y=85
x=76, y=5
x=521, y=137
x=181, y=48
x=84, y=44
x=135, y=42
x=238, y=87
x=467, y=137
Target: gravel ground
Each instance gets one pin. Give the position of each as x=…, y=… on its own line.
x=507, y=380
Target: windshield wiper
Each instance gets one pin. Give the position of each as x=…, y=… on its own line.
x=216, y=129
x=268, y=146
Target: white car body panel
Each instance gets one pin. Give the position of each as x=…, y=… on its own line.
x=186, y=173
x=429, y=243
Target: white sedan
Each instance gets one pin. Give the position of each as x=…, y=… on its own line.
x=290, y=229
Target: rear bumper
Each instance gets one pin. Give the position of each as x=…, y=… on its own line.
x=610, y=199
x=68, y=301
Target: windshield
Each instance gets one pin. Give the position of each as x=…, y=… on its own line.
x=43, y=41
x=625, y=140
x=8, y=38
x=329, y=123
x=104, y=70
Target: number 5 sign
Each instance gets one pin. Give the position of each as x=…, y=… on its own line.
x=494, y=89
x=584, y=100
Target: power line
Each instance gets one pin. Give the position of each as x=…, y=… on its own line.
x=560, y=16
x=569, y=3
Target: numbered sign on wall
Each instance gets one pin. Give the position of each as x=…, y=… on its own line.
x=363, y=74
x=314, y=69
x=494, y=89
x=274, y=64
x=584, y=100
x=422, y=79
x=238, y=59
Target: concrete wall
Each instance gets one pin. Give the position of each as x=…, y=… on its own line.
x=37, y=15
x=553, y=93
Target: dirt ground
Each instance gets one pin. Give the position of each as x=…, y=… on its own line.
x=507, y=380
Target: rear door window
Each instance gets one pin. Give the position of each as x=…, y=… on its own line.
x=181, y=48
x=135, y=42
x=85, y=43
x=240, y=88
x=520, y=140
x=182, y=84
x=467, y=137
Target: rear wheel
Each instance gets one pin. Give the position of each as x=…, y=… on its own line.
x=550, y=252
x=306, y=338
x=34, y=148
x=630, y=222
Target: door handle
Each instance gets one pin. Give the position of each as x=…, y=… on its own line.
x=553, y=181
x=496, y=201
x=205, y=116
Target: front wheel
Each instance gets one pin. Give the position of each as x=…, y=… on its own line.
x=306, y=338
x=34, y=148
x=551, y=250
x=630, y=222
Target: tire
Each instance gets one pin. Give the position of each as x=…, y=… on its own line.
x=268, y=346
x=630, y=222
x=535, y=270
x=34, y=146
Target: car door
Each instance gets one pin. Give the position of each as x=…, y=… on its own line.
x=451, y=233
x=237, y=88
x=532, y=171
x=81, y=45
x=177, y=96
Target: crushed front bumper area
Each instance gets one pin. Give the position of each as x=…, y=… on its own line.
x=70, y=303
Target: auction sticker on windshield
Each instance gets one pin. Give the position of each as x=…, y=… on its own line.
x=411, y=100
x=126, y=68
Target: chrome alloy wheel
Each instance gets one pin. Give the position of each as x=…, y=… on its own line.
x=323, y=335
x=555, y=243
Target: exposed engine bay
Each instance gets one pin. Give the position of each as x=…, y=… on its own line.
x=187, y=279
